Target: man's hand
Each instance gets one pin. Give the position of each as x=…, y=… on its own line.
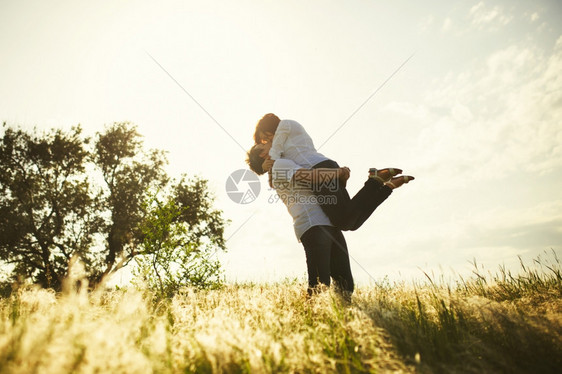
x=344, y=173
x=322, y=175
x=267, y=165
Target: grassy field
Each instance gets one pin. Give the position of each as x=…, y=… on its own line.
x=490, y=323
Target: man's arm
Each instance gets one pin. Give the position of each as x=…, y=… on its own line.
x=321, y=175
x=314, y=176
x=285, y=171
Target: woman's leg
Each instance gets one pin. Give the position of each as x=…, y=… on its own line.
x=344, y=212
x=332, y=196
x=364, y=203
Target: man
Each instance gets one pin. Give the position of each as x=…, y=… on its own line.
x=325, y=247
x=289, y=140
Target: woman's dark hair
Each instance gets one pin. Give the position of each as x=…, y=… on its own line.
x=267, y=123
x=254, y=160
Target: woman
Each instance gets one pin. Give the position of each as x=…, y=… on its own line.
x=289, y=140
x=324, y=245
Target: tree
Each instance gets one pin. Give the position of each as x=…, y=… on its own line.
x=47, y=213
x=61, y=198
x=129, y=173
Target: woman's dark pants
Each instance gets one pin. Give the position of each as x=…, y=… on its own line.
x=344, y=212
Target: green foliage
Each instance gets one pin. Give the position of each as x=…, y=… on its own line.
x=174, y=252
x=61, y=197
x=47, y=211
x=129, y=172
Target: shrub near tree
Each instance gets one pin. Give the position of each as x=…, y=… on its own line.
x=61, y=197
x=175, y=251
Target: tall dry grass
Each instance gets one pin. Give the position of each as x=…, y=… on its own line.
x=499, y=322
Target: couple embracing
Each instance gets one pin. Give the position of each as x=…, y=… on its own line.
x=313, y=187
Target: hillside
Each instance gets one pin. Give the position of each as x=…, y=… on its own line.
x=495, y=323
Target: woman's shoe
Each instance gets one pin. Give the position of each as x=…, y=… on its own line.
x=383, y=175
x=398, y=181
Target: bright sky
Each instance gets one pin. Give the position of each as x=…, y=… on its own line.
x=475, y=115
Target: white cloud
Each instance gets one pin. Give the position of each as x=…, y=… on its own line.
x=447, y=24
x=504, y=115
x=417, y=111
x=461, y=113
x=558, y=45
x=535, y=16
x=478, y=7
x=426, y=23
x=484, y=17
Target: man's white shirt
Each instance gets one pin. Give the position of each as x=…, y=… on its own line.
x=300, y=201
